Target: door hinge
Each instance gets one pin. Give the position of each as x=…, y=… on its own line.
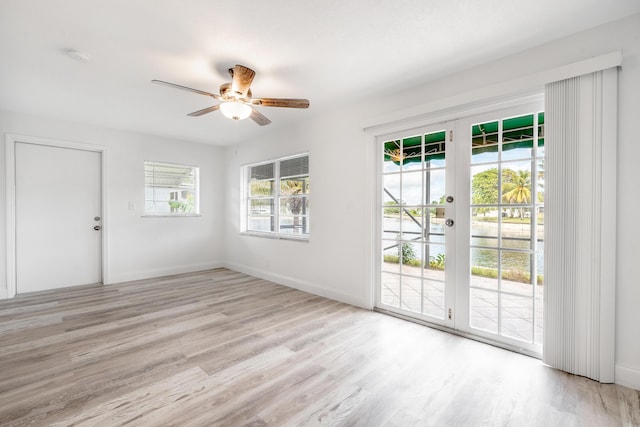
x=450, y=314
x=450, y=136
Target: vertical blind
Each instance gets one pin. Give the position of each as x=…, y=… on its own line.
x=580, y=227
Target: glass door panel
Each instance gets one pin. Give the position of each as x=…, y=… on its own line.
x=414, y=236
x=506, y=220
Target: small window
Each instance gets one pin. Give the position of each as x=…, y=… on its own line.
x=277, y=197
x=170, y=189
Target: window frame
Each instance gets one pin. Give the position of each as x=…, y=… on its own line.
x=195, y=212
x=277, y=198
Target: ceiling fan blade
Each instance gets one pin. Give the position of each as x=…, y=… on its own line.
x=259, y=118
x=204, y=111
x=242, y=78
x=175, y=86
x=281, y=102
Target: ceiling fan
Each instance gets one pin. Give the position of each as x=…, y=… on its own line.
x=235, y=97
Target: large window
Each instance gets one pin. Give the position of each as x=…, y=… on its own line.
x=277, y=197
x=170, y=189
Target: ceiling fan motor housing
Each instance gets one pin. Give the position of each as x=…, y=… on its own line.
x=226, y=93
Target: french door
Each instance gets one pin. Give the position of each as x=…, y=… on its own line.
x=417, y=195
x=461, y=225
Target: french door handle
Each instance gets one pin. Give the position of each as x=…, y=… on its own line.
x=448, y=222
x=97, y=228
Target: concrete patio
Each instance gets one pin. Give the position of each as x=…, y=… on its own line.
x=507, y=313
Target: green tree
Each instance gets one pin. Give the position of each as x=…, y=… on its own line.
x=406, y=253
x=391, y=208
x=262, y=187
x=484, y=188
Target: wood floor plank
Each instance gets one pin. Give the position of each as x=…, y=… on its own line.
x=151, y=404
x=221, y=348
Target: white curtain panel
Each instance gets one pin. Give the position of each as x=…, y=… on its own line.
x=580, y=224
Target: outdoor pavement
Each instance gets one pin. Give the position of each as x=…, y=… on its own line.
x=508, y=312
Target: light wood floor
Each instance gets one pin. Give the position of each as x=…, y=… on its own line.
x=220, y=348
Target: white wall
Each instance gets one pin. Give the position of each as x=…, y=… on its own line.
x=137, y=247
x=324, y=265
x=336, y=260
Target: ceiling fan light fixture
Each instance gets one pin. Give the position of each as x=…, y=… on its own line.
x=235, y=110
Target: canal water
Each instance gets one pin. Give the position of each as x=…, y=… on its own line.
x=516, y=239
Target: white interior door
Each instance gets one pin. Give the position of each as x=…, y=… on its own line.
x=58, y=217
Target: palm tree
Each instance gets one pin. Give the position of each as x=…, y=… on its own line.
x=516, y=187
x=293, y=187
x=540, y=181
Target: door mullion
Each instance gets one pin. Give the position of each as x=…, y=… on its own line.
x=423, y=244
x=461, y=245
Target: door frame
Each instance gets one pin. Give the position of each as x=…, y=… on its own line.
x=373, y=134
x=10, y=142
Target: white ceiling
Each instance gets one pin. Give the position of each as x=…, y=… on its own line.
x=332, y=52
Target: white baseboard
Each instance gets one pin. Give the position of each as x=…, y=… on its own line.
x=159, y=272
x=3, y=293
x=298, y=284
x=628, y=377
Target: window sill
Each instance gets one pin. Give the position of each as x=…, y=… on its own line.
x=170, y=215
x=275, y=236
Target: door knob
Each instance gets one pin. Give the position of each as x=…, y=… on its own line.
x=449, y=222
x=97, y=228
x=449, y=199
